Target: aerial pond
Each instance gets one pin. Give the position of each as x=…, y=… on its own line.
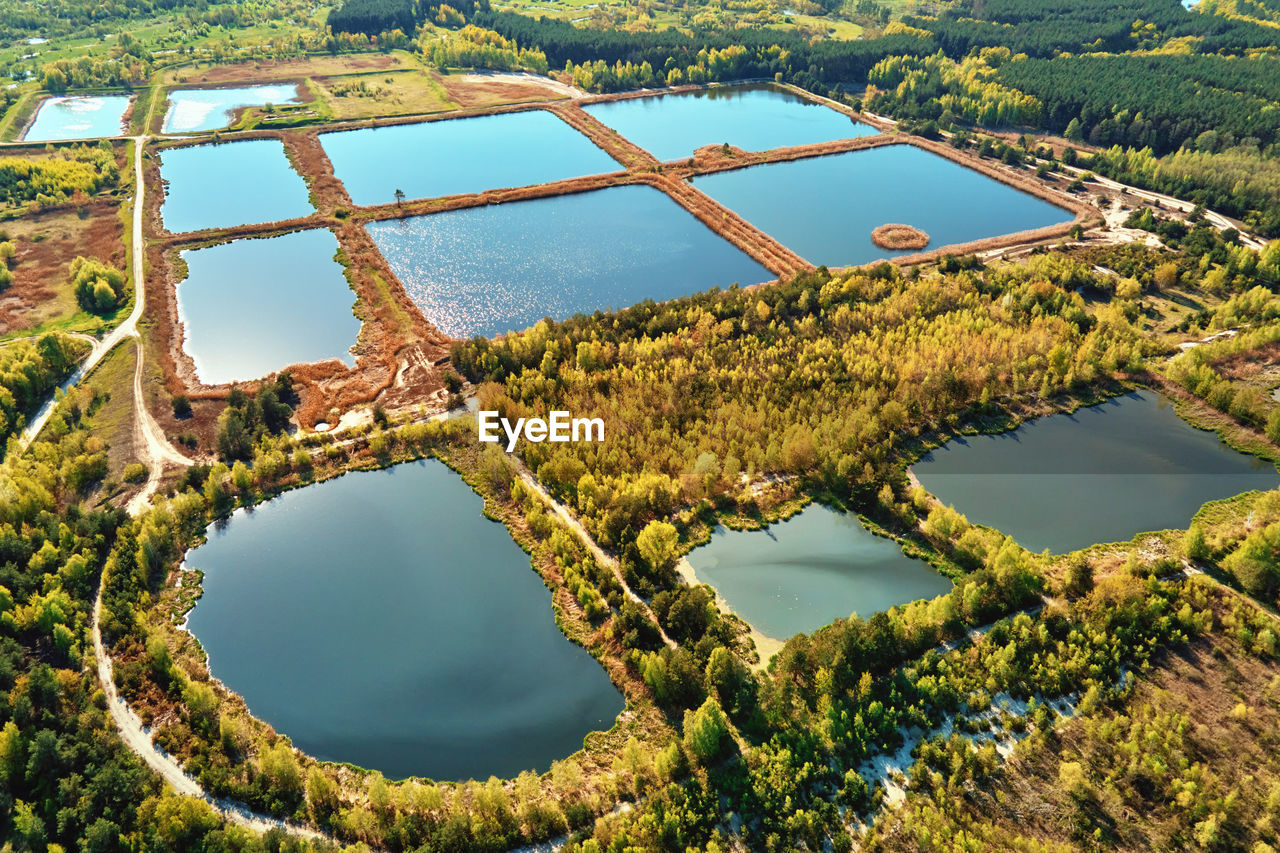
x=252, y=307
x=805, y=572
x=380, y=619
x=192, y=110
x=825, y=208
x=1101, y=474
x=79, y=117
x=753, y=118
x=499, y=268
x=255, y=183
x=466, y=155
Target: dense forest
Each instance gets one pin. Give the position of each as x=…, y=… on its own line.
x=799, y=378
x=1156, y=102
x=1044, y=28
x=73, y=172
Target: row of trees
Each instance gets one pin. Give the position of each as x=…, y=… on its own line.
x=1238, y=181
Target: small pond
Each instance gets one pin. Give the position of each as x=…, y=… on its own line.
x=192, y=110
x=252, y=307
x=79, y=117
x=499, y=268
x=380, y=619
x=229, y=184
x=800, y=574
x=465, y=155
x=825, y=208
x=1101, y=474
x=753, y=118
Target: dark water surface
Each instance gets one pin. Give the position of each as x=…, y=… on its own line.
x=813, y=568
x=232, y=183
x=380, y=619
x=465, y=155
x=252, y=307
x=494, y=269
x=825, y=208
x=753, y=118
x=1101, y=474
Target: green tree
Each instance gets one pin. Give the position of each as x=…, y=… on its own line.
x=99, y=287
x=657, y=545
x=706, y=732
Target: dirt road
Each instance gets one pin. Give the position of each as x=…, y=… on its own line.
x=584, y=537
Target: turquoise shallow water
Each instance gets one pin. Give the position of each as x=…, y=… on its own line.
x=79, y=117
x=192, y=110
x=252, y=307
x=228, y=184
x=753, y=118
x=825, y=208
x=465, y=155
x=1101, y=474
x=489, y=270
x=815, y=567
x=380, y=619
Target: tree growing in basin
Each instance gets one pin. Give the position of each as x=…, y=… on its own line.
x=399, y=194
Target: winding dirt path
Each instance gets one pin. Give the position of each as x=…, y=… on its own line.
x=600, y=555
x=153, y=448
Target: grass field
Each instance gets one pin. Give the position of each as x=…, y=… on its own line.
x=392, y=93
x=41, y=298
x=112, y=419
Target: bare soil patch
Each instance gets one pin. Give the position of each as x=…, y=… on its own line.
x=1246, y=365
x=488, y=90
x=284, y=69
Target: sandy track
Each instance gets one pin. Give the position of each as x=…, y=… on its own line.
x=584, y=537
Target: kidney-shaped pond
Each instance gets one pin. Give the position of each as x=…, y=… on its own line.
x=800, y=574
x=753, y=118
x=488, y=270
x=252, y=307
x=380, y=619
x=825, y=208
x=465, y=155
x=1101, y=474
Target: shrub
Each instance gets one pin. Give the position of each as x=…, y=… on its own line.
x=99, y=287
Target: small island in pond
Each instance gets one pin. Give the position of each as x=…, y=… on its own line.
x=897, y=236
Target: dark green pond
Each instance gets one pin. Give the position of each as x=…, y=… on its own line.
x=380, y=619
x=805, y=572
x=1101, y=474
